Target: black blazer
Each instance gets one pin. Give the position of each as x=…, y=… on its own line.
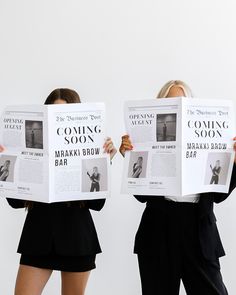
x=150, y=232
x=65, y=227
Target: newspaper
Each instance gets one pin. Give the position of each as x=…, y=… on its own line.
x=54, y=153
x=182, y=146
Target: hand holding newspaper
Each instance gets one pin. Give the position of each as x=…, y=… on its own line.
x=181, y=146
x=50, y=149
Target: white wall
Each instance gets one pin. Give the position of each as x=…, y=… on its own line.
x=111, y=51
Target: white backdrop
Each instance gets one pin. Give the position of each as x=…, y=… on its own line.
x=111, y=51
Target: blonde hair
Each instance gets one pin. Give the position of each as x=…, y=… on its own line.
x=166, y=88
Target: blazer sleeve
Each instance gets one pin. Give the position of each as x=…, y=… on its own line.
x=220, y=197
x=96, y=205
x=140, y=198
x=16, y=204
x=144, y=199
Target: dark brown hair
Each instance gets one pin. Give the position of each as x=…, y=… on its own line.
x=69, y=95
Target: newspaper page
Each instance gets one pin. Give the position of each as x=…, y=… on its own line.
x=208, y=129
x=170, y=157
x=54, y=153
x=24, y=169
x=78, y=164
x=153, y=167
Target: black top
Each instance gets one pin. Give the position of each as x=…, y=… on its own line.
x=216, y=171
x=95, y=178
x=150, y=232
x=6, y=171
x=65, y=227
x=137, y=169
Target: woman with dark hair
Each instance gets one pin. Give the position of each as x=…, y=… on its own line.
x=137, y=167
x=215, y=173
x=95, y=178
x=177, y=238
x=4, y=170
x=58, y=236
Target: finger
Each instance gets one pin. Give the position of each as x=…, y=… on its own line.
x=125, y=136
x=112, y=150
x=107, y=141
x=126, y=140
x=112, y=154
x=108, y=147
x=127, y=146
x=234, y=146
x=124, y=150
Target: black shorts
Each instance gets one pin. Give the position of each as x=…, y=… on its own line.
x=54, y=261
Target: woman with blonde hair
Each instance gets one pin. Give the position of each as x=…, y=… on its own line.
x=175, y=88
x=177, y=238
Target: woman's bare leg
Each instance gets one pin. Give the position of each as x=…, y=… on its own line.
x=74, y=283
x=31, y=280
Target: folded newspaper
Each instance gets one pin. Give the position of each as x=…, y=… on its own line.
x=54, y=153
x=182, y=146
